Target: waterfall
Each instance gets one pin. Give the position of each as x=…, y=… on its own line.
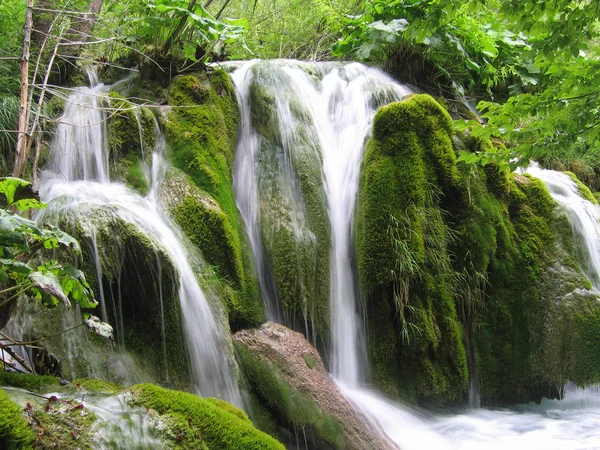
x=583, y=215
x=78, y=182
x=339, y=101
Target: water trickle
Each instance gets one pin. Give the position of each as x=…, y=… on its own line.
x=583, y=215
x=334, y=104
x=78, y=183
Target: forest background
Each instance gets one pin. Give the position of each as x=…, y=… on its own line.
x=532, y=68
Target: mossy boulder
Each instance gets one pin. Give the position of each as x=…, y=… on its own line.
x=137, y=285
x=201, y=130
x=292, y=205
x=202, y=423
x=288, y=377
x=97, y=414
x=132, y=138
x=15, y=433
x=209, y=228
x=402, y=240
x=516, y=255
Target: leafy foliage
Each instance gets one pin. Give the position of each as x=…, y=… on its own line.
x=462, y=40
x=20, y=238
x=181, y=28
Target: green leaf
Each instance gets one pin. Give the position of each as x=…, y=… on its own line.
x=19, y=193
x=47, y=283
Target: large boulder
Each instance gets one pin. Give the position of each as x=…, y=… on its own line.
x=288, y=375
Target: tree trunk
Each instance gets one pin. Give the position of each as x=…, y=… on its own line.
x=22, y=144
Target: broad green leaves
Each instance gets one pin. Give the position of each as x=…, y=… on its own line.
x=464, y=40
x=20, y=194
x=182, y=27
x=21, y=240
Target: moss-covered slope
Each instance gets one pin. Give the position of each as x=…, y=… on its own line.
x=145, y=416
x=455, y=267
x=201, y=130
x=293, y=215
x=402, y=239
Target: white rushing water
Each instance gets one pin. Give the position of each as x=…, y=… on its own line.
x=583, y=215
x=569, y=424
x=340, y=100
x=78, y=182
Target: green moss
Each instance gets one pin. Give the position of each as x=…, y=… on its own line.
x=402, y=239
x=292, y=201
x=201, y=130
x=14, y=431
x=140, y=286
x=310, y=362
x=211, y=423
x=296, y=407
x=584, y=191
x=35, y=383
x=92, y=386
x=229, y=408
x=131, y=129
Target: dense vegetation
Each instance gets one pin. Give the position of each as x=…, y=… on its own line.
x=453, y=265
x=535, y=64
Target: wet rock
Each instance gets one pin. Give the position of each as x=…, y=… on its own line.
x=288, y=375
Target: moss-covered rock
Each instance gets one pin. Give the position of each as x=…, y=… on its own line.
x=35, y=383
x=521, y=281
x=14, y=430
x=584, y=191
x=402, y=243
x=91, y=414
x=201, y=130
x=132, y=136
x=136, y=282
x=287, y=376
x=292, y=205
x=205, y=423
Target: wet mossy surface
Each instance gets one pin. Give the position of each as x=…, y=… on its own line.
x=15, y=433
x=502, y=295
x=293, y=212
x=208, y=423
x=291, y=408
x=201, y=130
x=68, y=418
x=402, y=239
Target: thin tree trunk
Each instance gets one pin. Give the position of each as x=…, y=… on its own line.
x=222, y=9
x=21, y=154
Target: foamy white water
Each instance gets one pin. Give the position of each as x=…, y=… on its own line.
x=583, y=215
x=569, y=424
x=340, y=101
x=78, y=183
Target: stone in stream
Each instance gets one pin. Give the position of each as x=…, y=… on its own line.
x=288, y=375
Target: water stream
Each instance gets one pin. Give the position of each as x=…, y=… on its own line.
x=341, y=100
x=78, y=182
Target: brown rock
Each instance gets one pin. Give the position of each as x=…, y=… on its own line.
x=287, y=373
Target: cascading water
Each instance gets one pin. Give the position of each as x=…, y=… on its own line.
x=78, y=181
x=340, y=101
x=583, y=215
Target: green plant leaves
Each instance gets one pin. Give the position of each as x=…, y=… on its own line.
x=47, y=284
x=20, y=194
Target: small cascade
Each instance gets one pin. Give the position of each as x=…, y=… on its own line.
x=583, y=215
x=77, y=188
x=334, y=105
